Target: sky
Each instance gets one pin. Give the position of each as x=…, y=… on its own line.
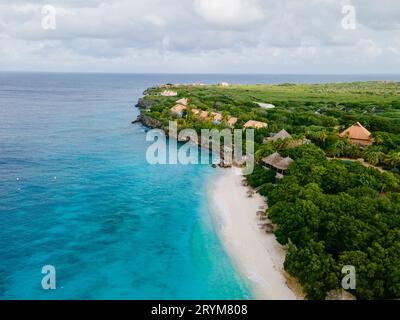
x=201, y=36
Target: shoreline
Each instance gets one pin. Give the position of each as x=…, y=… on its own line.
x=257, y=255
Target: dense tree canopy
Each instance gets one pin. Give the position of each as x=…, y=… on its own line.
x=330, y=210
x=336, y=213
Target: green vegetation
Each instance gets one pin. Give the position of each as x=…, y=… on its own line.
x=338, y=213
x=328, y=211
x=317, y=112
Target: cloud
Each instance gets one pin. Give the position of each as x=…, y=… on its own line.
x=369, y=48
x=229, y=13
x=200, y=36
x=382, y=14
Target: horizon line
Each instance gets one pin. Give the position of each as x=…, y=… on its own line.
x=201, y=73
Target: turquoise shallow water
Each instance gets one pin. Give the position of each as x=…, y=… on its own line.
x=76, y=192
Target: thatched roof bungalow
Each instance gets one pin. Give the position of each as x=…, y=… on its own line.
x=283, y=134
x=276, y=161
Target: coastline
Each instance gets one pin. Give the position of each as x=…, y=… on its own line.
x=257, y=255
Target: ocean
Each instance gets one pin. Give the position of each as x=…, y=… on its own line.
x=77, y=193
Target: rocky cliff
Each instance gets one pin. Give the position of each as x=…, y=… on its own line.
x=148, y=121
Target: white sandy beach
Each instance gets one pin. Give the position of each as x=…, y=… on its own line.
x=257, y=255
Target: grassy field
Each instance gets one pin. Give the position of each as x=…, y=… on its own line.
x=375, y=104
x=369, y=92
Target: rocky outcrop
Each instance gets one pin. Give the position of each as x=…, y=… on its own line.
x=145, y=103
x=339, y=294
x=148, y=121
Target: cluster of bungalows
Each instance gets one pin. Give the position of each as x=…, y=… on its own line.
x=182, y=106
x=215, y=117
x=357, y=134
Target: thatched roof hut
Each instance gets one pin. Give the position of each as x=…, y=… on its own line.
x=276, y=161
x=272, y=159
x=283, y=134
x=284, y=163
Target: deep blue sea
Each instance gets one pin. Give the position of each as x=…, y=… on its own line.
x=77, y=193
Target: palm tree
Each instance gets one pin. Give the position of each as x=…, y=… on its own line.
x=339, y=147
x=281, y=144
x=302, y=136
x=323, y=136
x=379, y=140
x=393, y=159
x=373, y=156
